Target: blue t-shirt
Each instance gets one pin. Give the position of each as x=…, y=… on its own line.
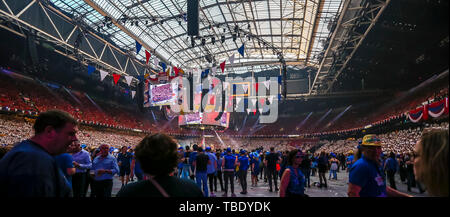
x=192, y=158
x=125, y=159
x=367, y=175
x=210, y=168
x=243, y=160
x=65, y=161
x=255, y=162
x=229, y=162
x=350, y=160
x=391, y=164
x=28, y=170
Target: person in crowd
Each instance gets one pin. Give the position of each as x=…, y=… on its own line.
x=305, y=166
x=124, y=162
x=366, y=177
x=283, y=164
x=219, y=171
x=211, y=170
x=402, y=168
x=82, y=162
x=390, y=167
x=228, y=165
x=104, y=167
x=349, y=160
x=262, y=165
x=333, y=168
x=192, y=157
x=411, y=178
x=158, y=157
x=29, y=169
x=180, y=161
x=313, y=165
x=200, y=167
x=136, y=169
x=243, y=162
x=293, y=180
x=342, y=162
x=322, y=164
x=65, y=163
x=432, y=159
x=255, y=162
x=271, y=161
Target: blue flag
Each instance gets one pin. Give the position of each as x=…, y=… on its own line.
x=141, y=78
x=90, y=69
x=279, y=79
x=241, y=50
x=138, y=47
x=164, y=66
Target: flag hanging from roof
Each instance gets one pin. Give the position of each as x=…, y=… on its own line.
x=241, y=50
x=222, y=66
x=164, y=66
x=103, y=74
x=147, y=56
x=128, y=79
x=138, y=47
x=90, y=69
x=116, y=78
x=231, y=59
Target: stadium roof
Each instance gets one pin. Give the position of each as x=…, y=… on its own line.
x=296, y=28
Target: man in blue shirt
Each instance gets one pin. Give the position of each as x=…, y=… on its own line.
x=243, y=162
x=366, y=177
x=124, y=162
x=29, y=169
x=349, y=160
x=65, y=163
x=211, y=171
x=229, y=162
x=192, y=158
x=104, y=168
x=82, y=162
x=390, y=167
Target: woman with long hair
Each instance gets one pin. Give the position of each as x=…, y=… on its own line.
x=431, y=161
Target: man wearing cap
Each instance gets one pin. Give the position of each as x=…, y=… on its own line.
x=82, y=162
x=243, y=163
x=366, y=177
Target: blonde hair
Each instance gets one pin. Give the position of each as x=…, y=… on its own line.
x=432, y=168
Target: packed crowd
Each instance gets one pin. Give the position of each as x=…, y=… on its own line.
x=398, y=142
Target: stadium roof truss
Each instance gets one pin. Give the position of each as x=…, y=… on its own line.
x=69, y=36
x=296, y=28
x=355, y=22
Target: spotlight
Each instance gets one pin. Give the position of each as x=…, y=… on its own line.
x=234, y=37
x=223, y=38
x=213, y=40
x=137, y=23
x=203, y=41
